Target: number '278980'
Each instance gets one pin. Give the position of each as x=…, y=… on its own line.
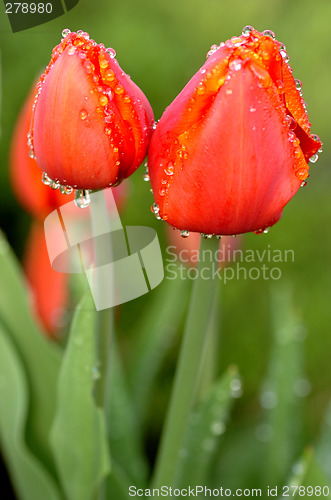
x=28, y=8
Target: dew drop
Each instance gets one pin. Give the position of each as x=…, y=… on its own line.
x=82, y=198
x=83, y=114
x=95, y=373
x=65, y=32
x=302, y=174
x=155, y=208
x=103, y=100
x=252, y=109
x=266, y=230
x=54, y=184
x=45, y=179
x=228, y=91
x=213, y=49
x=236, y=388
x=88, y=66
x=217, y=428
x=235, y=65
x=111, y=52
x=269, y=33
x=298, y=84
x=303, y=184
x=169, y=170
x=103, y=63
x=184, y=233
x=302, y=388
x=146, y=177
x=71, y=50
x=207, y=236
x=246, y=30
x=31, y=154
x=314, y=158
x=268, y=400
x=66, y=189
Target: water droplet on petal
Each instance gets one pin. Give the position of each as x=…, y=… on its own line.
x=54, y=184
x=235, y=65
x=65, y=32
x=111, y=52
x=146, y=177
x=83, y=114
x=31, y=154
x=207, y=236
x=302, y=174
x=269, y=33
x=103, y=100
x=298, y=84
x=82, y=198
x=66, y=189
x=246, y=30
x=71, y=50
x=184, y=233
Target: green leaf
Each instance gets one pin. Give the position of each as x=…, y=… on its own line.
x=30, y=478
x=78, y=436
x=40, y=356
x=205, y=428
x=308, y=474
x=124, y=428
x=323, y=446
x=282, y=394
x=117, y=484
x=154, y=337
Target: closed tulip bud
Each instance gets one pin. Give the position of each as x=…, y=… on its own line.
x=233, y=147
x=91, y=124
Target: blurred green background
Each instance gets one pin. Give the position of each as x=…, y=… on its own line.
x=161, y=45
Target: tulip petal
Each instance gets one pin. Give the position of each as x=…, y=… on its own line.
x=256, y=177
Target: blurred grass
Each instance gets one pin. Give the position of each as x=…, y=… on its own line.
x=161, y=45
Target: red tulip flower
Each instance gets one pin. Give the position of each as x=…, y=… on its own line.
x=91, y=123
x=233, y=147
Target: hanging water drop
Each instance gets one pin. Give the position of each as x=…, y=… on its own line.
x=82, y=198
x=184, y=233
x=54, y=184
x=66, y=189
x=314, y=158
x=45, y=179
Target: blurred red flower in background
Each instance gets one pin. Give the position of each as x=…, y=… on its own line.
x=232, y=149
x=91, y=124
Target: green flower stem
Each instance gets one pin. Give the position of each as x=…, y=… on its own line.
x=104, y=326
x=188, y=372
x=104, y=321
